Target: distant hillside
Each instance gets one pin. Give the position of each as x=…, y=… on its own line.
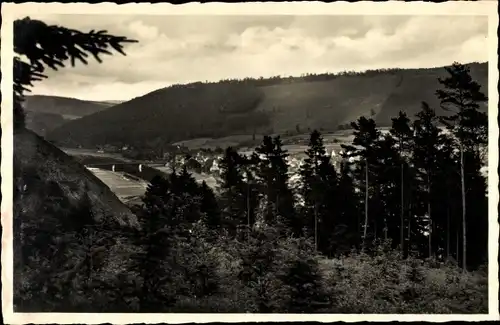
x=261, y=106
x=44, y=113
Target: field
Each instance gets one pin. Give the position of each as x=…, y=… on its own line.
x=122, y=186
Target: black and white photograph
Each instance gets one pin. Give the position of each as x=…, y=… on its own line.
x=299, y=161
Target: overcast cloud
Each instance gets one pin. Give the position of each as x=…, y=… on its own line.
x=180, y=49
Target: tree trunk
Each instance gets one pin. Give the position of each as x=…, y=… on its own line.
x=248, y=211
x=366, y=205
x=429, y=213
x=402, y=208
x=277, y=206
x=316, y=226
x=464, y=234
x=448, y=231
x=408, y=245
x=386, y=229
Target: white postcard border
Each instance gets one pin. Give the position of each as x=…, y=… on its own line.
x=10, y=12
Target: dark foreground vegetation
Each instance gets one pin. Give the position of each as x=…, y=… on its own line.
x=347, y=239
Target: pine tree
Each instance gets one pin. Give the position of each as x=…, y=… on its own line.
x=477, y=215
x=259, y=263
x=209, y=207
x=249, y=168
x=186, y=191
x=462, y=95
x=347, y=234
x=446, y=189
x=154, y=200
x=386, y=170
x=318, y=186
x=273, y=178
x=232, y=190
x=403, y=135
x=366, y=136
x=328, y=205
x=310, y=189
x=425, y=155
x=154, y=241
x=50, y=46
x=185, y=183
x=266, y=177
x=307, y=294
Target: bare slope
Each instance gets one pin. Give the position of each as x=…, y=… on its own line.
x=44, y=113
x=276, y=105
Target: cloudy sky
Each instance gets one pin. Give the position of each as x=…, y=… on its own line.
x=180, y=49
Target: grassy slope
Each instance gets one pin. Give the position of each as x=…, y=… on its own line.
x=45, y=113
x=37, y=159
x=219, y=110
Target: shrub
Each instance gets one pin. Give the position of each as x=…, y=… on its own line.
x=385, y=283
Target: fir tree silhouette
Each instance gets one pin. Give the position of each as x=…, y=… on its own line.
x=319, y=182
x=403, y=134
x=273, y=178
x=462, y=95
x=425, y=154
x=50, y=46
x=366, y=136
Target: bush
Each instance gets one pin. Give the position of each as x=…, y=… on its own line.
x=384, y=283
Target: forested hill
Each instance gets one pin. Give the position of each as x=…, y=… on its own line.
x=261, y=106
x=44, y=113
